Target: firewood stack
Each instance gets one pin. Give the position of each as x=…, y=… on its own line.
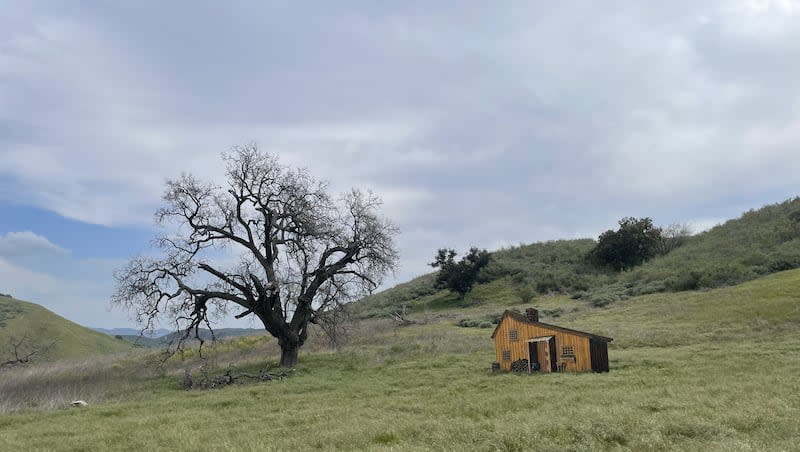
x=520, y=365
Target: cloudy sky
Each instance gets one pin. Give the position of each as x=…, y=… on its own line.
x=479, y=123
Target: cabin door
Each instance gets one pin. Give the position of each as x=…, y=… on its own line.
x=551, y=349
x=542, y=354
x=533, y=359
x=545, y=360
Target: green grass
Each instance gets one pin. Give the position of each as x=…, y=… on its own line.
x=758, y=243
x=712, y=370
x=20, y=319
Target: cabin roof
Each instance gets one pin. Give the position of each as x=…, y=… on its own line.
x=522, y=318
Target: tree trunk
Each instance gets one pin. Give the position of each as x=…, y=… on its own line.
x=289, y=354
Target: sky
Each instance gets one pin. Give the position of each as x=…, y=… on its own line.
x=484, y=124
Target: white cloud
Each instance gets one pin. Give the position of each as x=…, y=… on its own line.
x=26, y=244
x=488, y=126
x=83, y=301
x=15, y=279
x=704, y=224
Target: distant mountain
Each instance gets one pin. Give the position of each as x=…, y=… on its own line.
x=219, y=334
x=133, y=332
x=32, y=328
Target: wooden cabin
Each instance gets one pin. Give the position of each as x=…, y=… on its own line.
x=524, y=340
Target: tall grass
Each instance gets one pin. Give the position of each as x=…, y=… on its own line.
x=711, y=370
x=54, y=385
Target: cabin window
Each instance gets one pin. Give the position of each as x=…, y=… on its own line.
x=506, y=355
x=568, y=351
x=513, y=335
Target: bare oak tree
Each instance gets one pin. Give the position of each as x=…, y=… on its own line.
x=272, y=242
x=672, y=237
x=23, y=350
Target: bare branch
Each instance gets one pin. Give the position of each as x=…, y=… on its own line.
x=299, y=250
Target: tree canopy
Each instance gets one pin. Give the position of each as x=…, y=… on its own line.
x=271, y=241
x=459, y=277
x=635, y=242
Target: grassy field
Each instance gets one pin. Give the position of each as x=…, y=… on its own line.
x=713, y=370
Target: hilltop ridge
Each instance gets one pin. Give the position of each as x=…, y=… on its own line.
x=757, y=243
x=44, y=329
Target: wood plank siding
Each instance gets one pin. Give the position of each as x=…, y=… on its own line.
x=573, y=350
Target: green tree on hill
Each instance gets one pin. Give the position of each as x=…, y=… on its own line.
x=635, y=242
x=459, y=277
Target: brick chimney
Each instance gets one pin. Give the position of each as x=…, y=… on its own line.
x=532, y=314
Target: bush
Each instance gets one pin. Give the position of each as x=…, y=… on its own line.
x=603, y=299
x=554, y=313
x=487, y=321
x=525, y=293
x=604, y=296
x=494, y=271
x=779, y=261
x=647, y=288
x=547, y=284
x=468, y=323
x=686, y=281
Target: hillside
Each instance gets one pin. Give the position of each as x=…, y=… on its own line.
x=758, y=243
x=709, y=369
x=41, y=328
x=698, y=370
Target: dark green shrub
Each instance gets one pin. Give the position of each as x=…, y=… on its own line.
x=474, y=323
x=554, y=313
x=604, y=296
x=603, y=299
x=547, y=284
x=685, y=281
x=646, y=288
x=525, y=293
x=782, y=260
x=494, y=271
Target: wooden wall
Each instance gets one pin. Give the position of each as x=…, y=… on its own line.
x=519, y=348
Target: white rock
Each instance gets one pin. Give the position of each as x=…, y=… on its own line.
x=79, y=403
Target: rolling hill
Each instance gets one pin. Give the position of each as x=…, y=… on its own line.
x=693, y=370
x=132, y=332
x=706, y=369
x=758, y=243
x=162, y=341
x=43, y=329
